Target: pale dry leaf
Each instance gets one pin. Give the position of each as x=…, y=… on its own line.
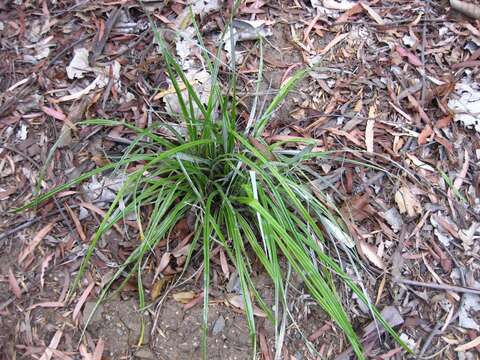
x=336, y=232
x=336, y=40
x=237, y=301
x=204, y=7
x=465, y=103
x=407, y=202
x=463, y=173
x=84, y=353
x=44, y=267
x=419, y=163
x=201, y=83
x=184, y=297
x=104, y=190
x=369, y=133
x=470, y=345
x=104, y=75
x=370, y=252
x=244, y=30
x=185, y=46
x=164, y=261
x=468, y=235
x=373, y=14
x=408, y=40
x=79, y=66
x=47, y=304
x=466, y=7
x=470, y=306
x=393, y=218
x=391, y=315
x=47, y=355
x=335, y=4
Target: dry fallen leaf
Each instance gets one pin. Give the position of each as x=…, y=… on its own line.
x=470, y=345
x=417, y=162
x=370, y=252
x=47, y=304
x=35, y=241
x=369, y=133
x=184, y=297
x=224, y=264
x=79, y=64
x=47, y=355
x=407, y=202
x=373, y=14
x=158, y=286
x=237, y=301
x=14, y=284
x=335, y=5
x=97, y=353
x=424, y=135
x=82, y=300
x=44, y=266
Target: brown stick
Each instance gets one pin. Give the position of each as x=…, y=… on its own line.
x=471, y=10
x=459, y=289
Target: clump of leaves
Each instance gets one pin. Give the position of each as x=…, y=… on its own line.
x=249, y=198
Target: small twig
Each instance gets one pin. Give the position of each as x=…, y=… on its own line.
x=25, y=225
x=29, y=223
x=21, y=153
x=435, y=332
x=101, y=42
x=424, y=43
x=459, y=289
x=440, y=328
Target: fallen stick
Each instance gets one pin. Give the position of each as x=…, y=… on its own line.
x=459, y=289
x=469, y=9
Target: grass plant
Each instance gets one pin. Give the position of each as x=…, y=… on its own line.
x=247, y=197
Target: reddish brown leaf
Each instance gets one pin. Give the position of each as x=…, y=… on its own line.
x=412, y=58
x=56, y=114
x=266, y=354
x=356, y=9
x=319, y=332
x=426, y=132
x=14, y=284
x=82, y=300
x=193, y=302
x=446, y=144
x=97, y=353
x=35, y=241
x=444, y=122
x=100, y=212
x=76, y=221
x=450, y=228
x=47, y=304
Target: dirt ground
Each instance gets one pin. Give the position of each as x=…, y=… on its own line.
x=394, y=84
